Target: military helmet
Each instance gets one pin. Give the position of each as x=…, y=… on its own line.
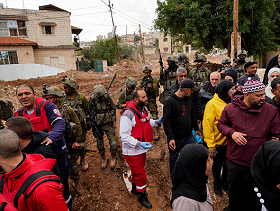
x=70, y=82
x=147, y=67
x=181, y=57
x=98, y=90
x=226, y=60
x=131, y=82
x=242, y=52
x=52, y=90
x=200, y=57
x=171, y=58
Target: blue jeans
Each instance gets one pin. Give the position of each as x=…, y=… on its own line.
x=180, y=143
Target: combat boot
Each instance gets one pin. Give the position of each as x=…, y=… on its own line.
x=84, y=164
x=113, y=160
x=78, y=187
x=104, y=161
x=142, y=198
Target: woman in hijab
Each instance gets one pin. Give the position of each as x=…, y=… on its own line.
x=231, y=75
x=189, y=178
x=273, y=73
x=257, y=187
x=215, y=141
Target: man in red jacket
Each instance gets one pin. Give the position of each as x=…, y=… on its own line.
x=46, y=196
x=247, y=123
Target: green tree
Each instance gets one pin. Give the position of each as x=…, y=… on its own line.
x=136, y=38
x=155, y=44
x=208, y=23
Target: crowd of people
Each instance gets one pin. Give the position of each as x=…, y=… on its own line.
x=235, y=114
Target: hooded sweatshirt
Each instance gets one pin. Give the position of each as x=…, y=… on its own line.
x=178, y=117
x=35, y=147
x=256, y=123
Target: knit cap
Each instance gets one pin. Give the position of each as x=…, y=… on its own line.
x=252, y=86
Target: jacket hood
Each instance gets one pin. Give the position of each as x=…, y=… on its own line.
x=37, y=138
x=238, y=101
x=176, y=97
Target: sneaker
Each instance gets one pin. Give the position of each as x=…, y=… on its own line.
x=217, y=189
x=78, y=187
x=142, y=198
x=84, y=165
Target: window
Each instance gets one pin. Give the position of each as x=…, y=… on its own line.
x=165, y=50
x=48, y=29
x=8, y=57
x=12, y=28
x=165, y=39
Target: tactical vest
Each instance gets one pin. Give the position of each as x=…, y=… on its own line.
x=75, y=105
x=153, y=81
x=38, y=118
x=239, y=70
x=143, y=130
x=71, y=128
x=200, y=77
x=101, y=110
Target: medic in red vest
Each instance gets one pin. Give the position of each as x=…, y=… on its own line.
x=136, y=134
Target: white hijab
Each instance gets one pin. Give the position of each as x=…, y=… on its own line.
x=268, y=92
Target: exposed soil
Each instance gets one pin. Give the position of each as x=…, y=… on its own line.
x=106, y=189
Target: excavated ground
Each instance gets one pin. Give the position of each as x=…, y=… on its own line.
x=106, y=189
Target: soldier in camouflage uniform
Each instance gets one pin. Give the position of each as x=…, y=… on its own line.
x=103, y=115
x=226, y=66
x=79, y=104
x=183, y=61
x=200, y=74
x=168, y=77
x=151, y=87
x=126, y=94
x=239, y=67
x=72, y=133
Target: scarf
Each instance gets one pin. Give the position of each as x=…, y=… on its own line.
x=222, y=90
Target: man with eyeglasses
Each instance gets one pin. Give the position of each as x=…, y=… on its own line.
x=125, y=94
x=181, y=74
x=208, y=90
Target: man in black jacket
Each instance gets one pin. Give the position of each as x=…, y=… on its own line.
x=179, y=119
x=30, y=141
x=181, y=74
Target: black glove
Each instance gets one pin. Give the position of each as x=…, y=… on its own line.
x=88, y=122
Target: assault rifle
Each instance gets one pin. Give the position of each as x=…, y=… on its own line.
x=94, y=125
x=112, y=81
x=162, y=78
x=147, y=81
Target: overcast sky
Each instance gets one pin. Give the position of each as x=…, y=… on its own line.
x=94, y=18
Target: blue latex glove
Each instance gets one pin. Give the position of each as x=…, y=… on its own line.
x=160, y=120
x=146, y=145
x=197, y=137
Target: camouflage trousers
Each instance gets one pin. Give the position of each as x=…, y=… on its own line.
x=152, y=106
x=110, y=133
x=84, y=136
x=73, y=156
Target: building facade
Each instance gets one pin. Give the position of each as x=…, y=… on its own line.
x=41, y=36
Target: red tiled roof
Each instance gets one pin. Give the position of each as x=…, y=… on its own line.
x=15, y=41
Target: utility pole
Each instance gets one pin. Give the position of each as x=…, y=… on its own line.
x=126, y=33
x=114, y=33
x=235, y=25
x=141, y=43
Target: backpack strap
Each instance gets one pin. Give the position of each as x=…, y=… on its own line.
x=3, y=205
x=38, y=109
x=30, y=180
x=2, y=183
x=134, y=111
x=20, y=111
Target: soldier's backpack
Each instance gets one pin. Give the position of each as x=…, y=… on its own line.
x=75, y=105
x=71, y=128
x=6, y=109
